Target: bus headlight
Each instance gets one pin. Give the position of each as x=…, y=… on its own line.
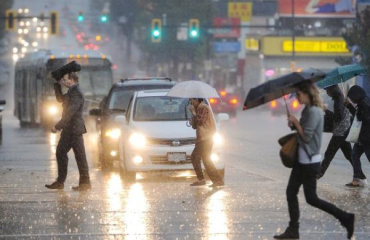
x=114, y=133
x=217, y=139
x=53, y=110
x=137, y=140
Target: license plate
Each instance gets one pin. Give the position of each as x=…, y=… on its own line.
x=176, y=157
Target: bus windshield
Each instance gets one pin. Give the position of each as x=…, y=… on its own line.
x=95, y=82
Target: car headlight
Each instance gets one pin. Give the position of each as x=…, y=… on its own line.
x=114, y=133
x=53, y=110
x=214, y=157
x=137, y=140
x=217, y=139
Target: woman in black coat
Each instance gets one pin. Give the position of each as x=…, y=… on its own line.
x=362, y=111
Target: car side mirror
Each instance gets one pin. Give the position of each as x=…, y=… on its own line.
x=95, y=112
x=221, y=117
x=2, y=102
x=120, y=119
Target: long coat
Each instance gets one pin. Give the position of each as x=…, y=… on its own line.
x=72, y=121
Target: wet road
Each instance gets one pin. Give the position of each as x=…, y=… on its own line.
x=252, y=205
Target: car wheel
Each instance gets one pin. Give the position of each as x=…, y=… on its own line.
x=127, y=175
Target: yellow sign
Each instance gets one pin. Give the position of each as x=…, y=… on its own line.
x=316, y=46
x=304, y=46
x=242, y=10
x=252, y=44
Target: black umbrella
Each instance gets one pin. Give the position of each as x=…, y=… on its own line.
x=278, y=87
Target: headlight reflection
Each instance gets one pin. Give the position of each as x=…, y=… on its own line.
x=135, y=213
x=217, y=218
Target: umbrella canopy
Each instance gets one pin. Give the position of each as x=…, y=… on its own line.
x=193, y=89
x=341, y=74
x=279, y=87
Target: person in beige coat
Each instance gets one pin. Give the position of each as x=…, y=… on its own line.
x=204, y=124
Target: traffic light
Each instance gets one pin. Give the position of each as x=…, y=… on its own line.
x=193, y=28
x=104, y=18
x=54, y=23
x=80, y=17
x=10, y=20
x=156, y=30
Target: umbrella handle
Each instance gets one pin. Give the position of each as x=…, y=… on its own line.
x=286, y=105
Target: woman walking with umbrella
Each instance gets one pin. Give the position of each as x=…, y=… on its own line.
x=309, y=130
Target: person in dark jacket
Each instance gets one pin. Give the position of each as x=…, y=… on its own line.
x=72, y=126
x=309, y=132
x=341, y=118
x=362, y=111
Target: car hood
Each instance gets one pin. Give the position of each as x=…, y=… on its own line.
x=164, y=130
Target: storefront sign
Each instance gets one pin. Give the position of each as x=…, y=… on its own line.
x=226, y=47
x=304, y=46
x=252, y=44
x=316, y=46
x=242, y=10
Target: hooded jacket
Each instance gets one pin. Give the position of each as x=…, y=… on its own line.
x=341, y=115
x=362, y=111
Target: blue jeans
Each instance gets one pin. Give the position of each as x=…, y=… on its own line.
x=357, y=152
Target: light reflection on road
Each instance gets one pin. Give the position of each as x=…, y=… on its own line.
x=217, y=218
x=135, y=212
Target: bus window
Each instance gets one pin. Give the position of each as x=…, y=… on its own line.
x=95, y=82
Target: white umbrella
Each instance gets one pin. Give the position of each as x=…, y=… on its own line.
x=193, y=89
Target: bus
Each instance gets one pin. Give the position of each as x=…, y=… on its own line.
x=34, y=97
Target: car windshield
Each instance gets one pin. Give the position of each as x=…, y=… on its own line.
x=120, y=98
x=160, y=109
x=95, y=82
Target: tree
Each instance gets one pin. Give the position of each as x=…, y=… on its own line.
x=124, y=13
x=359, y=36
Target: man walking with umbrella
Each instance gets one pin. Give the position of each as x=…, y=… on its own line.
x=72, y=126
x=205, y=126
x=202, y=120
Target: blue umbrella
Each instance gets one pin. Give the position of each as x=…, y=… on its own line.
x=341, y=74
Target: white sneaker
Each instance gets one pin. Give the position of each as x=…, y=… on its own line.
x=363, y=182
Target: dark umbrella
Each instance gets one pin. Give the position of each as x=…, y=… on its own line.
x=279, y=87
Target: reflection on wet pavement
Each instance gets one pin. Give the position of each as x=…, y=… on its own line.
x=162, y=205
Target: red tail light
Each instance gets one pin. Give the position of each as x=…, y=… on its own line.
x=233, y=101
x=223, y=93
x=213, y=101
x=273, y=104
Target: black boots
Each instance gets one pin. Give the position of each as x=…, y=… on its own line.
x=290, y=233
x=55, y=185
x=349, y=223
x=82, y=187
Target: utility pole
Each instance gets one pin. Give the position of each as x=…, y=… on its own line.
x=293, y=64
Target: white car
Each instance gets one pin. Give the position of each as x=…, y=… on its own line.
x=155, y=135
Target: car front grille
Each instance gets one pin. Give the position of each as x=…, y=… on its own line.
x=171, y=142
x=164, y=160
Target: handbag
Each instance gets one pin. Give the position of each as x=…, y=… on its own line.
x=354, y=131
x=289, y=149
